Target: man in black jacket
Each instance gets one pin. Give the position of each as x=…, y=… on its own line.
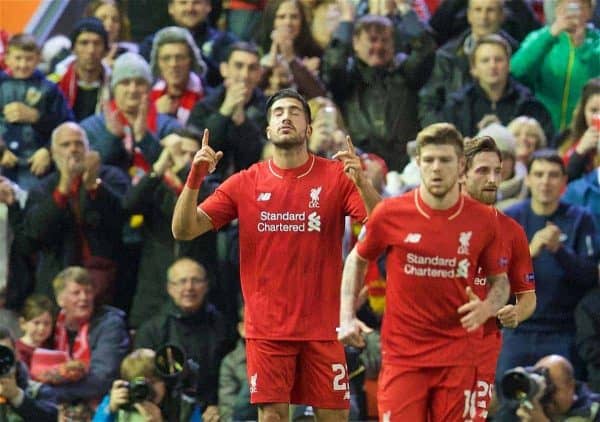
x=194, y=325
x=492, y=93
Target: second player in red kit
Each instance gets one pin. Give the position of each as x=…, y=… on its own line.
x=435, y=240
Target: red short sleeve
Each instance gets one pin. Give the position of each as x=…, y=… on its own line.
x=372, y=239
x=222, y=206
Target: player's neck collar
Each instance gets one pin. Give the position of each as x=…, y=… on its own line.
x=297, y=172
x=428, y=212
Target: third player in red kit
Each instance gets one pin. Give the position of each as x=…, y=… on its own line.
x=481, y=180
x=291, y=212
x=435, y=239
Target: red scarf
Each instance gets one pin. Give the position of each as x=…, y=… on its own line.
x=193, y=93
x=68, y=84
x=81, y=348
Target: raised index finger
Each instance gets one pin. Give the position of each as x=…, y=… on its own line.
x=205, y=138
x=350, y=145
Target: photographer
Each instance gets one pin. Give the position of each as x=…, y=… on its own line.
x=142, y=391
x=17, y=397
x=554, y=394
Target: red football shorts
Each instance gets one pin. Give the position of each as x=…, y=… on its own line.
x=426, y=394
x=299, y=372
x=486, y=374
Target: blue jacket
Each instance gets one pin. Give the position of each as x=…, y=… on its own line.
x=109, y=342
x=585, y=192
x=23, y=139
x=564, y=277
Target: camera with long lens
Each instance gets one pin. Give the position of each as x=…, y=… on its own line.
x=7, y=360
x=176, y=369
x=523, y=385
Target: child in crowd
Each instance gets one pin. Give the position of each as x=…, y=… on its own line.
x=36, y=323
x=31, y=107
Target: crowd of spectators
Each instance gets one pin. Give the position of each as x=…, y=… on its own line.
x=96, y=148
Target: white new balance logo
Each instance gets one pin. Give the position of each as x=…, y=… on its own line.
x=314, y=222
x=412, y=238
x=264, y=196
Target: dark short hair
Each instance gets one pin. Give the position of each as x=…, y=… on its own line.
x=368, y=22
x=440, y=134
x=25, y=42
x=5, y=333
x=190, y=132
x=477, y=145
x=289, y=93
x=245, y=46
x=547, y=154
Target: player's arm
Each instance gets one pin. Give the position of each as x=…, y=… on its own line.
x=353, y=168
x=188, y=220
x=478, y=311
x=351, y=329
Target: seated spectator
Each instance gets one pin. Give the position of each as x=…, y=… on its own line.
x=163, y=401
x=116, y=22
x=189, y=322
x=213, y=43
x=96, y=336
x=370, y=84
x=234, y=391
x=234, y=112
x=31, y=107
x=451, y=70
x=20, y=398
x=74, y=215
x=154, y=197
x=492, y=92
x=581, y=140
x=127, y=131
x=284, y=23
x=540, y=63
x=529, y=137
x=82, y=77
x=176, y=63
x=36, y=321
x=567, y=400
x=563, y=243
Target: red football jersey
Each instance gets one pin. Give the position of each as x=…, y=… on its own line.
x=521, y=278
x=291, y=225
x=432, y=257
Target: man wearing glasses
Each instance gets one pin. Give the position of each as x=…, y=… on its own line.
x=190, y=322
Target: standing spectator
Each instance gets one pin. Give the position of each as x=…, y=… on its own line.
x=127, y=131
x=563, y=244
x=243, y=17
x=74, y=215
x=370, y=84
x=431, y=304
x=451, y=69
x=492, y=93
x=82, y=77
x=556, y=61
x=31, y=108
x=293, y=356
x=580, y=146
x=585, y=192
x=234, y=112
x=95, y=335
x=176, y=63
x=587, y=336
x=213, y=43
x=191, y=323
